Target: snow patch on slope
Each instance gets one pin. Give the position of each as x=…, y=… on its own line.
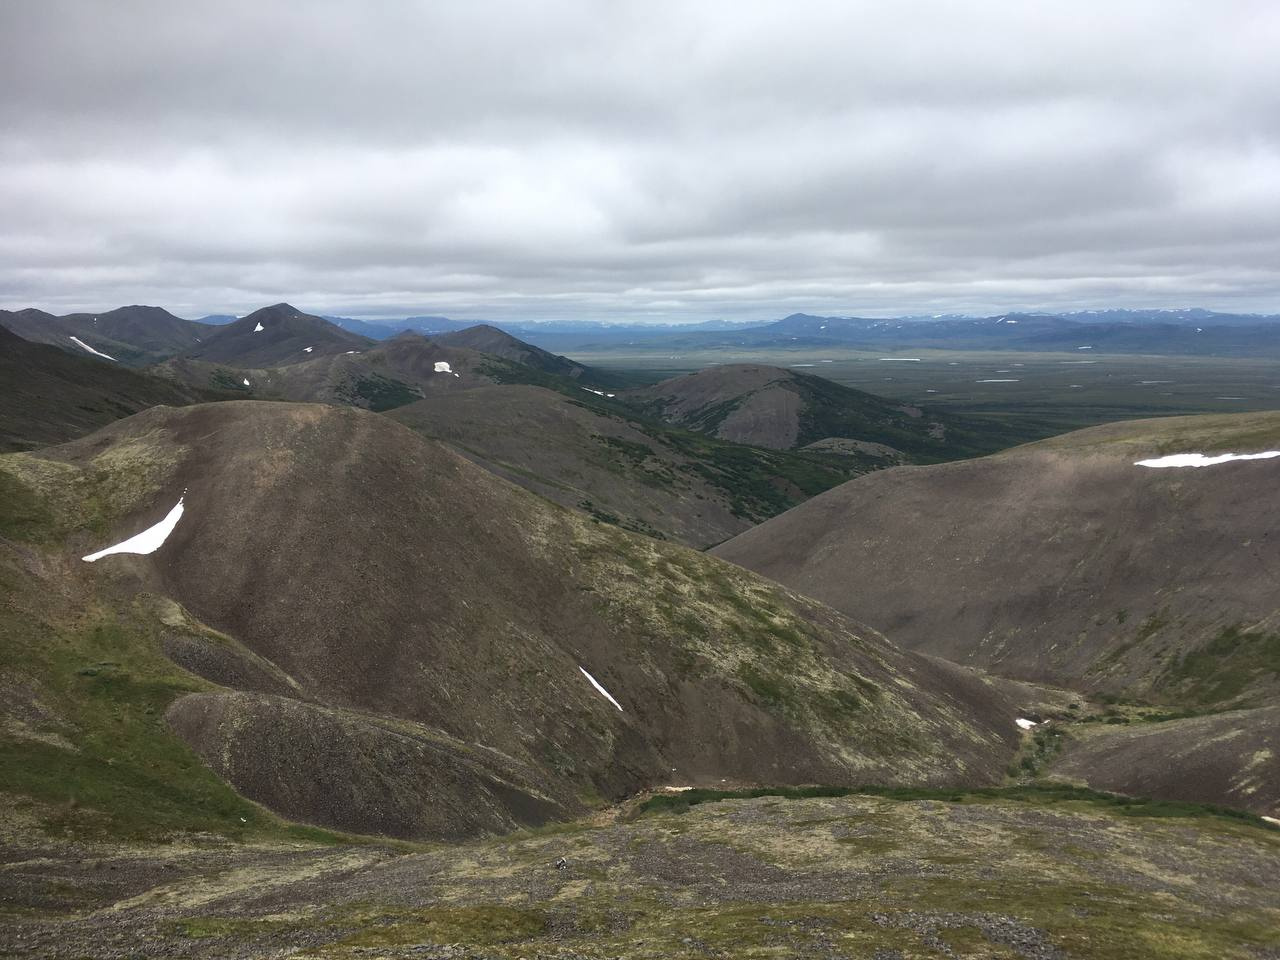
x=149, y=540
x=1200, y=460
x=603, y=692
x=97, y=353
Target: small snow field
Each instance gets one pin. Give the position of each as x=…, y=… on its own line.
x=997, y=381
x=259, y=328
x=1025, y=724
x=442, y=366
x=246, y=381
x=149, y=540
x=97, y=353
x=601, y=393
x=307, y=349
x=900, y=360
x=602, y=691
x=1200, y=460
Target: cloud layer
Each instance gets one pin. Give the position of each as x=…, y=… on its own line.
x=647, y=160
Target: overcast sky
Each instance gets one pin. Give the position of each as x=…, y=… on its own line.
x=632, y=161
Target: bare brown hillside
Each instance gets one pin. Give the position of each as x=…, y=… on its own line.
x=392, y=639
x=1062, y=561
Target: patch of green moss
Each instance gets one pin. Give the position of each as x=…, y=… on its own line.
x=1040, y=794
x=377, y=393
x=223, y=379
x=481, y=925
x=1223, y=670
x=23, y=514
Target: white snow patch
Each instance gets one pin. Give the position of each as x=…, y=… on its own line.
x=901, y=359
x=1084, y=348
x=442, y=366
x=149, y=540
x=259, y=328
x=826, y=361
x=246, y=381
x=1200, y=460
x=1076, y=386
x=997, y=381
x=1269, y=819
x=603, y=692
x=97, y=353
x=349, y=352
x=1025, y=724
x=802, y=364
x=1077, y=361
x=1230, y=398
x=601, y=393
x=307, y=349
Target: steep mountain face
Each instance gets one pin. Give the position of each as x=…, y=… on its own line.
x=275, y=336
x=385, y=637
x=388, y=375
x=496, y=343
x=133, y=336
x=626, y=470
x=1063, y=561
x=782, y=409
x=49, y=396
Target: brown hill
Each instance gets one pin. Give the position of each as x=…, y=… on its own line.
x=1226, y=758
x=393, y=639
x=49, y=396
x=783, y=409
x=498, y=343
x=133, y=336
x=582, y=457
x=275, y=336
x=1062, y=561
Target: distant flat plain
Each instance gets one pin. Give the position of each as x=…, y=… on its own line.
x=1050, y=392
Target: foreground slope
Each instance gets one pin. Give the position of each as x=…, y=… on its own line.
x=783, y=409
x=859, y=877
x=380, y=636
x=1063, y=561
x=49, y=396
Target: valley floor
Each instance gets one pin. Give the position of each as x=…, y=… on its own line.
x=858, y=877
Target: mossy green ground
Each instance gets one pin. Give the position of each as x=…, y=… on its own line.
x=744, y=878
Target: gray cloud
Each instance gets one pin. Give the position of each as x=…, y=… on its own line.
x=640, y=160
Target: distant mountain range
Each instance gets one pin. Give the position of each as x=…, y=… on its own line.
x=142, y=335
